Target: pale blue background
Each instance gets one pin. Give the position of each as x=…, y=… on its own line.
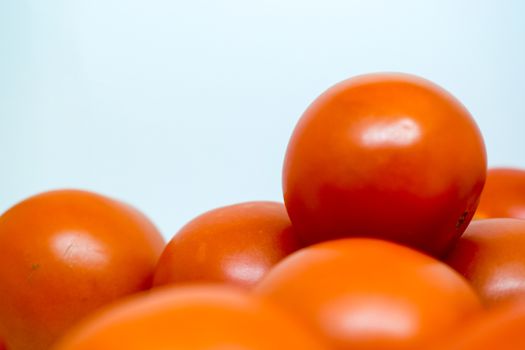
x=181, y=106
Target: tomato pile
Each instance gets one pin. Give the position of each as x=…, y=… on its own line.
x=373, y=248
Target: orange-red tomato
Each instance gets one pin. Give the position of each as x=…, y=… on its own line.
x=64, y=254
x=389, y=156
x=371, y=294
x=503, y=195
x=191, y=318
x=491, y=255
x=236, y=244
x=502, y=328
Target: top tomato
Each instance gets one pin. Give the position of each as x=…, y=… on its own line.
x=386, y=155
x=503, y=195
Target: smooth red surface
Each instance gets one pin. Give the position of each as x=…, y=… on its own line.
x=503, y=195
x=65, y=253
x=389, y=156
x=371, y=294
x=236, y=244
x=191, y=318
x=491, y=255
x=500, y=329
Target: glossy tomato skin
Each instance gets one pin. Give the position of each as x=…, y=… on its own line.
x=503, y=195
x=65, y=253
x=491, y=255
x=371, y=294
x=236, y=244
x=501, y=328
x=389, y=156
x=191, y=318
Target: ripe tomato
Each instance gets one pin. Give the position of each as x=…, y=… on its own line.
x=191, y=318
x=491, y=255
x=503, y=195
x=385, y=155
x=236, y=244
x=371, y=294
x=2, y=345
x=64, y=254
x=501, y=328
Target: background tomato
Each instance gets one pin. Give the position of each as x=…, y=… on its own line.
x=191, y=318
x=503, y=195
x=236, y=244
x=64, y=254
x=371, y=294
x=501, y=328
x=386, y=155
x=491, y=255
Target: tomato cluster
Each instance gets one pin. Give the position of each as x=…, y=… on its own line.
x=382, y=176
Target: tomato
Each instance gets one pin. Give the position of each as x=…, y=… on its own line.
x=2, y=345
x=370, y=294
x=503, y=195
x=501, y=328
x=236, y=244
x=389, y=156
x=491, y=255
x=191, y=318
x=62, y=255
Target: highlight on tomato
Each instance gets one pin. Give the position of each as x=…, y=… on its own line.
x=191, y=318
x=64, y=254
x=491, y=255
x=390, y=156
x=236, y=244
x=371, y=294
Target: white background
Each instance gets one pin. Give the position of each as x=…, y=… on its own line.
x=181, y=106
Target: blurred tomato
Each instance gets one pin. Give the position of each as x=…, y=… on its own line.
x=390, y=156
x=371, y=294
x=190, y=318
x=500, y=329
x=64, y=254
x=236, y=244
x=2, y=345
x=503, y=195
x=491, y=255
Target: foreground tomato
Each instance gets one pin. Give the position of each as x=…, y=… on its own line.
x=491, y=255
x=236, y=244
x=371, y=294
x=389, y=156
x=64, y=254
x=503, y=195
x=191, y=318
x=501, y=329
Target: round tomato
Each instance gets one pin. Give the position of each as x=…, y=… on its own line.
x=388, y=156
x=503, y=195
x=190, y=318
x=64, y=254
x=236, y=244
x=502, y=329
x=370, y=294
x=491, y=255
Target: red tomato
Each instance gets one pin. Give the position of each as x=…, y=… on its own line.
x=191, y=318
x=503, y=195
x=501, y=329
x=491, y=255
x=389, y=156
x=2, y=345
x=64, y=254
x=371, y=294
x=236, y=244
